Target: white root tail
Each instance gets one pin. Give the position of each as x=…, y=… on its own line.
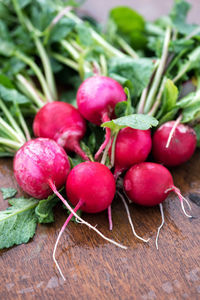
x=161, y=225
x=54, y=189
x=130, y=220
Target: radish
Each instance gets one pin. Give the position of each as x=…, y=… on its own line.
x=41, y=166
x=132, y=146
x=101, y=185
x=149, y=184
x=90, y=187
x=39, y=162
x=63, y=123
x=173, y=144
x=96, y=100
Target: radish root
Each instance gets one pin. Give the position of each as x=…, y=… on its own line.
x=181, y=198
x=130, y=221
x=105, y=118
x=173, y=130
x=59, y=236
x=110, y=218
x=54, y=189
x=161, y=225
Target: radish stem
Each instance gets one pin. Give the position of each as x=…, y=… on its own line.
x=29, y=90
x=68, y=62
x=105, y=118
x=159, y=72
x=12, y=121
x=113, y=149
x=37, y=72
x=126, y=47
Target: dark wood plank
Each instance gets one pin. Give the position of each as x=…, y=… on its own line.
x=95, y=269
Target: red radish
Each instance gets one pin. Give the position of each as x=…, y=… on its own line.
x=96, y=99
x=90, y=187
x=63, y=123
x=180, y=148
x=38, y=162
x=149, y=184
x=101, y=192
x=91, y=184
x=41, y=166
x=132, y=146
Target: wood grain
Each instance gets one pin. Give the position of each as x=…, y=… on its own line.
x=95, y=269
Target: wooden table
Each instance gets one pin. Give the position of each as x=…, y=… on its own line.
x=95, y=269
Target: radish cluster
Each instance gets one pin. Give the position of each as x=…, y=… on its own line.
x=41, y=166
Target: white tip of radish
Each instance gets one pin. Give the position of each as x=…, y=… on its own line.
x=183, y=209
x=54, y=255
x=159, y=228
x=130, y=221
x=187, y=202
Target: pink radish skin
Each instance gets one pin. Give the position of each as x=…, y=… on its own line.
x=63, y=123
x=93, y=184
x=36, y=163
x=148, y=183
x=132, y=146
x=97, y=97
x=181, y=146
x=41, y=167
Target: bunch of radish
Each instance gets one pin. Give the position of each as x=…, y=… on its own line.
x=41, y=166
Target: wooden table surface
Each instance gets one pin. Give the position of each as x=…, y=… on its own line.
x=95, y=269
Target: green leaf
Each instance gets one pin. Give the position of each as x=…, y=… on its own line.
x=120, y=109
x=8, y=192
x=86, y=149
x=84, y=34
x=130, y=25
x=127, y=19
x=129, y=109
x=191, y=113
x=125, y=82
x=137, y=71
x=6, y=48
x=178, y=16
x=61, y=30
x=6, y=82
x=169, y=97
x=136, y=121
x=197, y=130
x=192, y=62
x=186, y=101
x=18, y=222
x=44, y=210
x=11, y=95
x=75, y=161
x=168, y=116
x=23, y=3
x=155, y=44
x=179, y=45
